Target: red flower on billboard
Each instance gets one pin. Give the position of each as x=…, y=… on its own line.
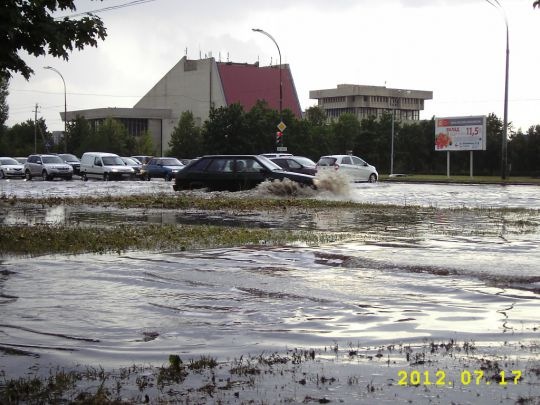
x=442, y=141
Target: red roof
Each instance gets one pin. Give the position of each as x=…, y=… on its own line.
x=245, y=84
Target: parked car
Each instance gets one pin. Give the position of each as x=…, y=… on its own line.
x=10, y=168
x=353, y=167
x=143, y=158
x=134, y=164
x=233, y=173
x=106, y=166
x=275, y=155
x=297, y=164
x=21, y=160
x=163, y=167
x=71, y=160
x=48, y=167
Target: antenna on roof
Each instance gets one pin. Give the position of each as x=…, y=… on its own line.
x=227, y=56
x=270, y=61
x=220, y=56
x=186, y=52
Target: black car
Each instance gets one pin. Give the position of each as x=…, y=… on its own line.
x=233, y=173
x=297, y=164
x=71, y=160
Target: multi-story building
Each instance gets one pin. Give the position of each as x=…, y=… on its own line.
x=366, y=101
x=197, y=86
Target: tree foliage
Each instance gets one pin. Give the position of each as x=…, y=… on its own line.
x=30, y=26
x=186, y=139
x=231, y=130
x=4, y=108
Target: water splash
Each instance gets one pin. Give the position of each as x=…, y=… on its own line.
x=328, y=184
x=333, y=182
x=284, y=188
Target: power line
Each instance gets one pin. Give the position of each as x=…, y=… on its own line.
x=100, y=10
x=73, y=94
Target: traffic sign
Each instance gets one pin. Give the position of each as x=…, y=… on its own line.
x=281, y=126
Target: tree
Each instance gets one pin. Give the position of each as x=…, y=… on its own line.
x=4, y=109
x=144, y=145
x=346, y=130
x=21, y=139
x=186, y=138
x=316, y=116
x=110, y=136
x=80, y=134
x=225, y=130
x=31, y=27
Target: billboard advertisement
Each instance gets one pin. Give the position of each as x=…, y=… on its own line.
x=460, y=133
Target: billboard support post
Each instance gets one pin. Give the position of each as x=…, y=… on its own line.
x=471, y=164
x=448, y=164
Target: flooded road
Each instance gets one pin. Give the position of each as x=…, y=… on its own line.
x=429, y=195
x=435, y=276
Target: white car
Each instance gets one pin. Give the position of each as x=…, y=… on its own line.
x=106, y=166
x=353, y=167
x=9, y=167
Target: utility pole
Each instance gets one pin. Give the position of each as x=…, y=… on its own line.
x=35, y=128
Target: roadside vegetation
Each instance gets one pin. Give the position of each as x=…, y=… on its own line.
x=322, y=375
x=102, y=237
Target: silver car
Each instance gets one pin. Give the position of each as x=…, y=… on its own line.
x=10, y=168
x=47, y=167
x=353, y=167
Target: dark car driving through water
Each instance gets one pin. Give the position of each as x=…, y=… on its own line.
x=233, y=173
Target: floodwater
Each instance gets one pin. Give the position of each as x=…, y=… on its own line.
x=463, y=275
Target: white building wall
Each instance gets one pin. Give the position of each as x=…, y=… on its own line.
x=191, y=85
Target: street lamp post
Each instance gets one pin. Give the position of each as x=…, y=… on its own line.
x=504, y=157
x=392, y=142
x=65, y=104
x=394, y=101
x=280, y=80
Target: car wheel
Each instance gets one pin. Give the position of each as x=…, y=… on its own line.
x=45, y=176
x=69, y=177
x=372, y=178
x=84, y=177
x=146, y=177
x=168, y=177
x=28, y=175
x=2, y=174
x=105, y=176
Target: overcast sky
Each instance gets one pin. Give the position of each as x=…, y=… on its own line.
x=455, y=48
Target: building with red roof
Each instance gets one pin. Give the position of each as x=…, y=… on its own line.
x=197, y=86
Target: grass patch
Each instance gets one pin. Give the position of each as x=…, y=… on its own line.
x=47, y=239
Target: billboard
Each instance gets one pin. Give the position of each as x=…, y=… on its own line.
x=460, y=133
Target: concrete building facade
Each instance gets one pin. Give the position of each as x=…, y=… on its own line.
x=197, y=86
x=365, y=101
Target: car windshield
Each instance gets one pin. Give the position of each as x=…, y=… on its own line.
x=268, y=163
x=9, y=161
x=170, y=162
x=327, y=161
x=304, y=161
x=130, y=161
x=69, y=157
x=51, y=159
x=112, y=161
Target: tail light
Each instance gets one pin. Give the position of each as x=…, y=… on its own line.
x=336, y=166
